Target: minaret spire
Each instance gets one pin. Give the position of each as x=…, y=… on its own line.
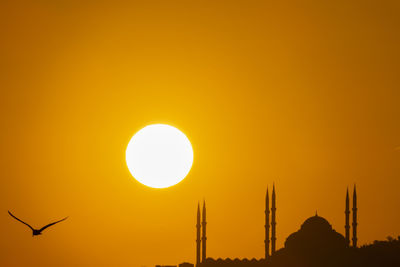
x=266, y=241
x=347, y=218
x=204, y=238
x=273, y=221
x=354, y=217
x=198, y=241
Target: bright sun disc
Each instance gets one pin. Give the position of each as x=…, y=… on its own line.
x=159, y=156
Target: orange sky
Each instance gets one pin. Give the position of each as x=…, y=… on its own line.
x=304, y=94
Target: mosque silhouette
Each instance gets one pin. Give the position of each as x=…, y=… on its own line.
x=316, y=243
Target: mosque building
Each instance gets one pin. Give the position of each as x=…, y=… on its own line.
x=315, y=238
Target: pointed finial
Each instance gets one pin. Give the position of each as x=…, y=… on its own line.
x=354, y=191
x=316, y=213
x=198, y=211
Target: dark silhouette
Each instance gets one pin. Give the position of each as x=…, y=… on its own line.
x=201, y=227
x=203, y=238
x=267, y=212
x=354, y=224
x=347, y=218
x=315, y=244
x=36, y=231
x=198, y=240
x=273, y=221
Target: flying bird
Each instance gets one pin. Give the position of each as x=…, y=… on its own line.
x=36, y=231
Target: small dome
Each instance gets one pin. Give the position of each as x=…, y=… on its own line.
x=316, y=223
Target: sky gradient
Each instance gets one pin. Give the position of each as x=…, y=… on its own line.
x=301, y=93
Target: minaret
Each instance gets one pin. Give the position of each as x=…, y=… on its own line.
x=204, y=238
x=198, y=241
x=347, y=218
x=354, y=217
x=266, y=241
x=273, y=221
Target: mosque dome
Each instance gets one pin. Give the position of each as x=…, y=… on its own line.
x=315, y=234
x=316, y=223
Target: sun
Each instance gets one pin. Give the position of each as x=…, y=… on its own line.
x=159, y=156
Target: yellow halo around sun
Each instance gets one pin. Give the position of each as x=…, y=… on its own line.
x=159, y=156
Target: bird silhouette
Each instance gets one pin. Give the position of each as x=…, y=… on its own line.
x=36, y=231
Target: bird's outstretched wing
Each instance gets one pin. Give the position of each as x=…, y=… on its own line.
x=50, y=224
x=20, y=220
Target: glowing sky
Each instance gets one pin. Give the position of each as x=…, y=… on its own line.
x=301, y=93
